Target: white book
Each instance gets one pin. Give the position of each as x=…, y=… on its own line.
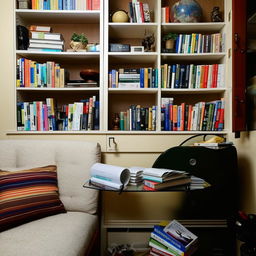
x=47, y=46
x=129, y=85
x=180, y=43
x=48, y=36
x=221, y=76
x=198, y=76
x=138, y=14
x=209, y=80
x=163, y=16
x=110, y=173
x=199, y=43
x=44, y=41
x=190, y=76
x=173, y=76
x=77, y=114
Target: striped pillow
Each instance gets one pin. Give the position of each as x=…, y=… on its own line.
x=28, y=195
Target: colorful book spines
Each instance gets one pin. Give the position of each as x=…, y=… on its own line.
x=44, y=116
x=192, y=76
x=203, y=116
x=133, y=78
x=138, y=118
x=200, y=43
x=33, y=74
x=66, y=4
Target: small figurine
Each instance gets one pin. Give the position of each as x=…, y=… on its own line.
x=116, y=122
x=216, y=15
x=148, y=42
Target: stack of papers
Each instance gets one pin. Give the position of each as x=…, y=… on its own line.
x=136, y=177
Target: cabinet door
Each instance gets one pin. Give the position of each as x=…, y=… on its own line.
x=239, y=20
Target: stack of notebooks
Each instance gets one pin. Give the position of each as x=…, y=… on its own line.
x=172, y=240
x=42, y=39
x=158, y=179
x=136, y=177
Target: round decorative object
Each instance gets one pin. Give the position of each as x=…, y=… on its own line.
x=76, y=46
x=120, y=16
x=89, y=75
x=185, y=11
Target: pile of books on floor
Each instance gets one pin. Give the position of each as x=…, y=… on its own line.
x=172, y=239
x=42, y=39
x=159, y=179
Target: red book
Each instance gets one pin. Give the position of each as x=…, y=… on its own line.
x=95, y=4
x=167, y=14
x=148, y=188
x=175, y=117
x=206, y=73
x=88, y=4
x=190, y=111
x=182, y=119
x=171, y=117
x=214, y=75
x=142, y=12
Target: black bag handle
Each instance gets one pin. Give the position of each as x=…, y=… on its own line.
x=197, y=135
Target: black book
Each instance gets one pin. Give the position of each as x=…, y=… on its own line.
x=143, y=119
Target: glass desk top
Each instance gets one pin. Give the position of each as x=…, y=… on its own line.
x=134, y=188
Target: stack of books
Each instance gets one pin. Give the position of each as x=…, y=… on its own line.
x=42, y=39
x=172, y=240
x=136, y=177
x=158, y=179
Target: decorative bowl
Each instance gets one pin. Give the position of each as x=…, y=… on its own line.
x=89, y=75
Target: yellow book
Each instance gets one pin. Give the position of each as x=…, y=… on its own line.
x=145, y=77
x=62, y=77
x=149, y=119
x=165, y=75
x=193, y=43
x=57, y=76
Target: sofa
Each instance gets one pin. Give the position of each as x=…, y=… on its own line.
x=65, y=234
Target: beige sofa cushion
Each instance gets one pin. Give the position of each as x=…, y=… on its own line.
x=66, y=234
x=73, y=160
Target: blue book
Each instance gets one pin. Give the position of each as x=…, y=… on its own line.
x=32, y=76
x=177, y=45
x=156, y=78
x=60, y=5
x=96, y=118
x=141, y=77
x=177, y=77
x=166, y=118
x=160, y=231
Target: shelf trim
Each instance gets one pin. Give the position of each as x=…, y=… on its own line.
x=132, y=53
x=57, y=89
x=58, y=53
x=113, y=132
x=119, y=24
x=221, y=54
x=57, y=11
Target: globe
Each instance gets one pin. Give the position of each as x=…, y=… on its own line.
x=186, y=11
x=120, y=16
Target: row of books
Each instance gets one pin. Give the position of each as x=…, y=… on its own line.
x=33, y=74
x=192, y=76
x=199, y=43
x=139, y=12
x=172, y=239
x=66, y=4
x=45, y=116
x=138, y=118
x=203, y=116
x=133, y=78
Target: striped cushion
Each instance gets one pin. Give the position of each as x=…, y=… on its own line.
x=28, y=195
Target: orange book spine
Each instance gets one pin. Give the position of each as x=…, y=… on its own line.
x=182, y=119
x=190, y=111
x=175, y=117
x=206, y=73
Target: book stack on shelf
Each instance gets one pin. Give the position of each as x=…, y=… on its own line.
x=159, y=179
x=133, y=78
x=192, y=76
x=66, y=5
x=172, y=240
x=33, y=74
x=138, y=118
x=200, y=43
x=46, y=116
x=203, y=116
x=139, y=12
x=136, y=175
x=42, y=39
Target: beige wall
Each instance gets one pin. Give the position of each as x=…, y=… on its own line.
x=246, y=145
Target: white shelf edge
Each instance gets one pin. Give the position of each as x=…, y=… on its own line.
x=194, y=90
x=59, y=53
x=193, y=54
x=131, y=24
x=113, y=132
x=214, y=24
x=57, y=89
x=132, y=53
x=133, y=90
x=58, y=11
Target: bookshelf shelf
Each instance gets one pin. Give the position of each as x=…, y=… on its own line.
x=194, y=56
x=193, y=27
x=58, y=16
x=28, y=89
x=194, y=91
x=133, y=91
x=131, y=30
